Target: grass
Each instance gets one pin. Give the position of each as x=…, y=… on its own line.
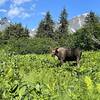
x=37, y=77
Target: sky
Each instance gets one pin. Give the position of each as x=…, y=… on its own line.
x=31, y=12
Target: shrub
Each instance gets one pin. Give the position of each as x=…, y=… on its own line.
x=35, y=45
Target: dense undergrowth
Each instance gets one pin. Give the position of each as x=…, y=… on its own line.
x=39, y=77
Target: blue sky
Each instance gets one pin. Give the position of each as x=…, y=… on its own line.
x=30, y=12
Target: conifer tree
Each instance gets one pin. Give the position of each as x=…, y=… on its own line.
x=15, y=31
x=92, y=26
x=91, y=21
x=46, y=27
x=61, y=34
x=88, y=35
x=40, y=29
x=63, y=28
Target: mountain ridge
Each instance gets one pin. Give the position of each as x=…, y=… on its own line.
x=74, y=24
x=4, y=22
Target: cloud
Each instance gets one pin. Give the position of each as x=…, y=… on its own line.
x=25, y=15
x=19, y=2
x=43, y=13
x=3, y=10
x=15, y=11
x=3, y=1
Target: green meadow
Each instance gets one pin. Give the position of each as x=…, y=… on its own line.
x=39, y=77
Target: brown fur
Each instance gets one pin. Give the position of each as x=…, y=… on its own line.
x=67, y=54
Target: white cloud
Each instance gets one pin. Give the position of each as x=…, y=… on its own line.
x=2, y=1
x=3, y=10
x=25, y=15
x=43, y=13
x=17, y=12
x=14, y=12
x=19, y=2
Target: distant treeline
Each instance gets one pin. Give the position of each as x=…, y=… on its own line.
x=15, y=38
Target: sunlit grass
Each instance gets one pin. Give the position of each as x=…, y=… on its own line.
x=39, y=77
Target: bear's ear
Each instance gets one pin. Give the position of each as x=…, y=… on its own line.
x=56, y=49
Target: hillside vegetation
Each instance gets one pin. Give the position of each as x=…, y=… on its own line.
x=28, y=72
x=39, y=77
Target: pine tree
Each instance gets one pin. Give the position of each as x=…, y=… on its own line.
x=15, y=31
x=49, y=24
x=91, y=22
x=40, y=30
x=86, y=36
x=91, y=25
x=63, y=28
x=46, y=27
x=61, y=34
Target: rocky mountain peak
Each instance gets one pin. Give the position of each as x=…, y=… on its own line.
x=4, y=22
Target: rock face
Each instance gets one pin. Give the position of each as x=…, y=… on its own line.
x=74, y=24
x=4, y=22
x=32, y=32
x=77, y=22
